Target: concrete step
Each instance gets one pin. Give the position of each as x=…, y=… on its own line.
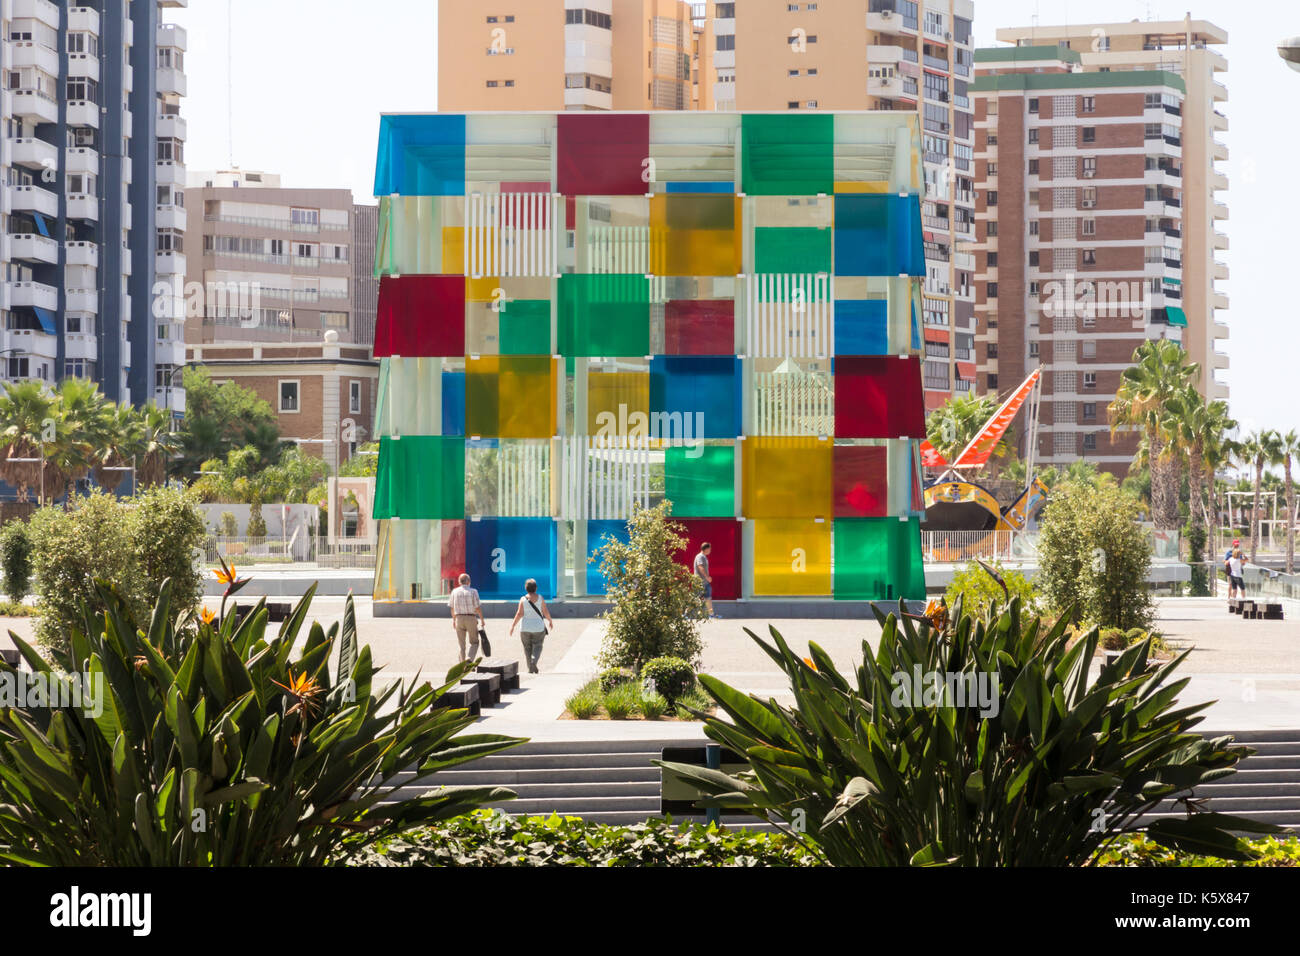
x=1245, y=805
x=645, y=790
x=584, y=747
x=509, y=761
x=1271, y=748
x=1256, y=736
x=1271, y=762
x=510, y=778
x=1257, y=776
x=582, y=806
x=1218, y=791
x=1283, y=818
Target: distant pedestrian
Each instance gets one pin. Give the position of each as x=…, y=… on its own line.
x=466, y=617
x=536, y=620
x=1236, y=580
x=702, y=572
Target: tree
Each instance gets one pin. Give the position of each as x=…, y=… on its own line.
x=27, y=417
x=1200, y=428
x=952, y=425
x=657, y=603
x=1160, y=371
x=1290, y=449
x=1260, y=449
x=220, y=418
x=364, y=464
x=1094, y=557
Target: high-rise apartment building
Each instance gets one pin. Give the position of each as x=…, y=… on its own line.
x=572, y=55
x=93, y=164
x=1185, y=48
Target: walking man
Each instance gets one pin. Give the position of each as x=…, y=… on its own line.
x=466, y=616
x=702, y=571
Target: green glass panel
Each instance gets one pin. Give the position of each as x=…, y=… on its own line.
x=420, y=476
x=701, y=481
x=787, y=155
x=793, y=249
x=604, y=315
x=525, y=327
x=878, y=559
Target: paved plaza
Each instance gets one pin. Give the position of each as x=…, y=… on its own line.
x=1250, y=668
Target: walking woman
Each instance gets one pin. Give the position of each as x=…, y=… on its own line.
x=537, y=623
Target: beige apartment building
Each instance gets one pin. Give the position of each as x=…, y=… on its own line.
x=1184, y=48
x=754, y=55
x=572, y=54
x=1081, y=236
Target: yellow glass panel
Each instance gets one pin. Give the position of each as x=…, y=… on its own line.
x=453, y=250
x=695, y=235
x=792, y=557
x=872, y=187
x=482, y=290
x=618, y=403
x=510, y=396
x=788, y=477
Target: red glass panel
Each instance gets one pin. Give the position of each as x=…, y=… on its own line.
x=420, y=316
x=602, y=154
x=700, y=327
x=878, y=396
x=724, y=557
x=861, y=481
x=453, y=550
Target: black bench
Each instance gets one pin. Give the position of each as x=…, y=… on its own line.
x=489, y=687
x=1234, y=605
x=1272, y=612
x=462, y=695
x=10, y=656
x=508, y=671
x=278, y=612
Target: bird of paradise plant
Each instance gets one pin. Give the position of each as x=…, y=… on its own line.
x=228, y=576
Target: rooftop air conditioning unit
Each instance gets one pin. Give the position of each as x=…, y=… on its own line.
x=1088, y=204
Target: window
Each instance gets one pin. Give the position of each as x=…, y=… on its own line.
x=1089, y=200
x=1089, y=379
x=1089, y=227
x=725, y=11
x=1090, y=134
x=1089, y=411
x=1090, y=441
x=725, y=41
x=1033, y=288
x=491, y=19
x=1089, y=167
x=304, y=217
x=1033, y=104
x=1033, y=350
x=992, y=229
x=993, y=260
x=993, y=290
x=1033, y=167
x=334, y=320
x=1033, y=136
x=1033, y=258
x=289, y=396
x=1089, y=104
x=991, y=350
x=792, y=104
x=1089, y=257
x=993, y=169
x=491, y=83
x=812, y=104
x=993, y=383
x=354, y=398
x=993, y=139
x=1090, y=350
x=992, y=197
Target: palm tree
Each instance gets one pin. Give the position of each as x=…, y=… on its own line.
x=1290, y=449
x=1160, y=371
x=115, y=447
x=82, y=429
x=27, y=417
x=1260, y=449
x=157, y=443
x=1200, y=428
x=952, y=425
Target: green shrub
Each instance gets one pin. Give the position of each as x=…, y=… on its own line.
x=653, y=706
x=229, y=525
x=584, y=704
x=220, y=747
x=979, y=591
x=655, y=599
x=166, y=530
x=15, y=560
x=623, y=701
x=670, y=676
x=1047, y=766
x=611, y=677
x=256, y=523
x=16, y=609
x=1094, y=557
x=1137, y=850
x=484, y=838
x=1113, y=639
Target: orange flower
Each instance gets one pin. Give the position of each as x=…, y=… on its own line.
x=303, y=689
x=206, y=616
x=936, y=612
x=225, y=574
x=809, y=662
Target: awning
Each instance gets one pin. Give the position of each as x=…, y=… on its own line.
x=933, y=334
x=1169, y=281
x=46, y=318
x=1175, y=315
x=41, y=226
x=966, y=371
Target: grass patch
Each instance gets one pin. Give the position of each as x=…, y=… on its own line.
x=628, y=700
x=585, y=704
x=623, y=701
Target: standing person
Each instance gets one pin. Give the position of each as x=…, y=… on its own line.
x=466, y=616
x=1227, y=570
x=1235, y=577
x=532, y=611
x=702, y=572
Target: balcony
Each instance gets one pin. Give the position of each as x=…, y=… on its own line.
x=36, y=107
x=34, y=153
x=1219, y=151
x=1220, y=92
x=170, y=263
x=884, y=54
x=171, y=173
x=170, y=217
x=1218, y=180
x=83, y=20
x=83, y=113
x=169, y=352
x=1218, y=121
x=82, y=64
x=172, y=80
x=173, y=35
x=81, y=253
x=33, y=247
x=29, y=54
x=81, y=159
x=1220, y=211
x=886, y=85
x=82, y=300
x=1220, y=359
x=891, y=22
x=171, y=126
x=172, y=399
x=33, y=199
x=1220, y=270
x=33, y=295
x=1220, y=240
x=81, y=345
x=41, y=10
x=84, y=206
x=1221, y=330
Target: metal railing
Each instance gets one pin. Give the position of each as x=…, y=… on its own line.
x=295, y=549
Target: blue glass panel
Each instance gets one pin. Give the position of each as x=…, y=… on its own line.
x=421, y=156
x=597, y=531
x=695, y=396
x=878, y=235
x=700, y=187
x=453, y=403
x=861, y=327
x=502, y=553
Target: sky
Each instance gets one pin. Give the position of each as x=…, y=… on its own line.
x=306, y=92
